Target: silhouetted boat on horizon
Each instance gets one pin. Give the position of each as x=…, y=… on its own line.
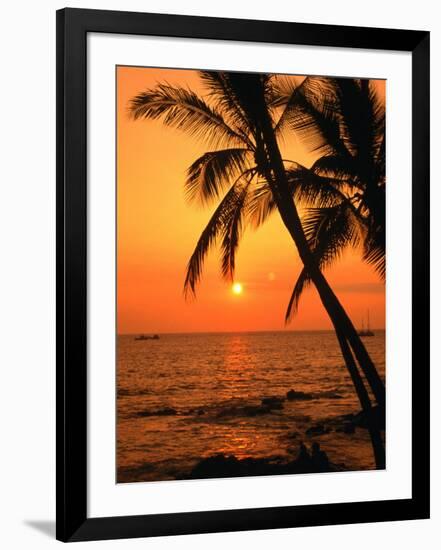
x=367, y=331
x=145, y=337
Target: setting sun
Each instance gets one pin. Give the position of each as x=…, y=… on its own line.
x=237, y=288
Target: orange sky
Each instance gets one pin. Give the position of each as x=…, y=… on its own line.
x=158, y=230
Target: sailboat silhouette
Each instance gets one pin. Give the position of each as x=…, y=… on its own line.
x=367, y=331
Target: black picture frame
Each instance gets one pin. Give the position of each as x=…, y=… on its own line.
x=71, y=429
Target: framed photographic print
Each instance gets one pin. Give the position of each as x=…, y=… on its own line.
x=242, y=275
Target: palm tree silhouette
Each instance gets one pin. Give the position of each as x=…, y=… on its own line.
x=344, y=189
x=239, y=122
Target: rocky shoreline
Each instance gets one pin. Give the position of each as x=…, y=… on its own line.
x=266, y=406
x=300, y=445
x=308, y=461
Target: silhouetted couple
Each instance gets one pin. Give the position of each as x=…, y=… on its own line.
x=316, y=460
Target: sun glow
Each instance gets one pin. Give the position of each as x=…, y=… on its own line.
x=237, y=288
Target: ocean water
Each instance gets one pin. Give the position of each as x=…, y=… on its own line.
x=185, y=397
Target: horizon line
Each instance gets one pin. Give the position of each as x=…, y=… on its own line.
x=233, y=331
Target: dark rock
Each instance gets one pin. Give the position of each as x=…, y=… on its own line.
x=330, y=395
x=273, y=402
x=252, y=410
x=166, y=411
x=229, y=466
x=293, y=395
x=249, y=410
x=277, y=406
x=216, y=466
x=347, y=428
x=138, y=473
x=198, y=412
x=318, y=429
x=348, y=423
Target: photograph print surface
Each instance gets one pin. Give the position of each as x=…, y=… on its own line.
x=251, y=269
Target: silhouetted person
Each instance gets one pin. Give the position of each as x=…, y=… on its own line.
x=303, y=458
x=319, y=458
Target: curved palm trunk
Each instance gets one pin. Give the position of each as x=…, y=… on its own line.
x=344, y=328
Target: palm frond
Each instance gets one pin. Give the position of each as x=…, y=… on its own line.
x=380, y=158
x=212, y=172
x=232, y=229
x=223, y=93
x=310, y=113
x=379, y=122
x=313, y=190
x=347, y=107
x=287, y=91
x=272, y=89
x=183, y=109
x=215, y=228
x=283, y=89
x=375, y=255
x=260, y=204
x=362, y=122
x=374, y=246
x=334, y=166
x=293, y=305
x=306, y=187
x=328, y=231
x=249, y=91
